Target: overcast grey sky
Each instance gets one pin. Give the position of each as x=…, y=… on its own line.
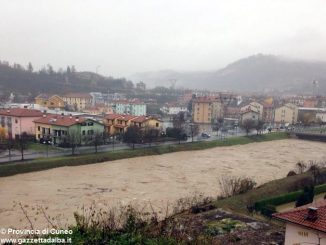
x=127, y=36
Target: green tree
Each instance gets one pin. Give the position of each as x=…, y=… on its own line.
x=306, y=197
x=30, y=67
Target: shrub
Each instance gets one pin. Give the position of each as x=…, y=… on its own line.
x=286, y=198
x=268, y=210
x=306, y=197
x=231, y=186
x=291, y=173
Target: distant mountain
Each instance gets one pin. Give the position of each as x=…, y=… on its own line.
x=256, y=73
x=20, y=81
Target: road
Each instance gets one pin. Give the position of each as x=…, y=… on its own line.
x=30, y=155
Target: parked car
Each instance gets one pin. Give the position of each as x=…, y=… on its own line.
x=205, y=135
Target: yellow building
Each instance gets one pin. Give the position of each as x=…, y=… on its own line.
x=287, y=113
x=206, y=109
x=118, y=124
x=78, y=101
x=50, y=101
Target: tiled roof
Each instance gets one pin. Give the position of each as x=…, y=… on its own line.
x=127, y=117
x=60, y=120
x=299, y=216
x=140, y=119
x=112, y=116
x=20, y=112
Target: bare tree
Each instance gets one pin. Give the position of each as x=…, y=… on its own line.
x=151, y=134
x=133, y=135
x=22, y=143
x=231, y=185
x=248, y=125
x=194, y=130
x=259, y=126
x=73, y=139
x=96, y=140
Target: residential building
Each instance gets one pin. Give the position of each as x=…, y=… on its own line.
x=78, y=101
x=305, y=225
x=98, y=98
x=118, y=124
x=145, y=122
x=232, y=112
x=268, y=112
x=17, y=121
x=131, y=107
x=287, y=113
x=173, y=109
x=50, y=101
x=57, y=128
x=250, y=113
x=98, y=109
x=257, y=107
x=310, y=103
x=206, y=109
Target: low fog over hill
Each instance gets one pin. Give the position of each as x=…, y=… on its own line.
x=254, y=73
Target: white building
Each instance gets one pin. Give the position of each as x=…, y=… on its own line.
x=173, y=110
x=305, y=225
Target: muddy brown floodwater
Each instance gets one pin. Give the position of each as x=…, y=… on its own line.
x=158, y=179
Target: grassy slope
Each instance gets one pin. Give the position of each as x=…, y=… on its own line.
x=48, y=163
x=273, y=188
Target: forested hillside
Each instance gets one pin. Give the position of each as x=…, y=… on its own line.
x=25, y=81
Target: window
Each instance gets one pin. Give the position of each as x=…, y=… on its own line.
x=83, y=132
x=38, y=128
x=157, y=124
x=90, y=132
x=83, y=124
x=16, y=120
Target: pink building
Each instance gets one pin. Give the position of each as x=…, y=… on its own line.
x=16, y=121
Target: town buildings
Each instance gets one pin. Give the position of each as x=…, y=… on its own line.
x=305, y=225
x=50, y=101
x=250, y=113
x=16, y=121
x=286, y=114
x=206, y=109
x=173, y=109
x=131, y=107
x=78, y=101
x=58, y=128
x=118, y=124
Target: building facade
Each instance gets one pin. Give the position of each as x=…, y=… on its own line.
x=305, y=225
x=50, y=101
x=57, y=128
x=287, y=113
x=16, y=121
x=78, y=101
x=206, y=109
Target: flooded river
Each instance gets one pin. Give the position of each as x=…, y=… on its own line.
x=158, y=179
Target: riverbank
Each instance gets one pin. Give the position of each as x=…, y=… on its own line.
x=148, y=179
x=10, y=169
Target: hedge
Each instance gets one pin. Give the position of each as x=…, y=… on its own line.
x=285, y=198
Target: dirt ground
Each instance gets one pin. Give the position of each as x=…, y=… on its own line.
x=155, y=179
